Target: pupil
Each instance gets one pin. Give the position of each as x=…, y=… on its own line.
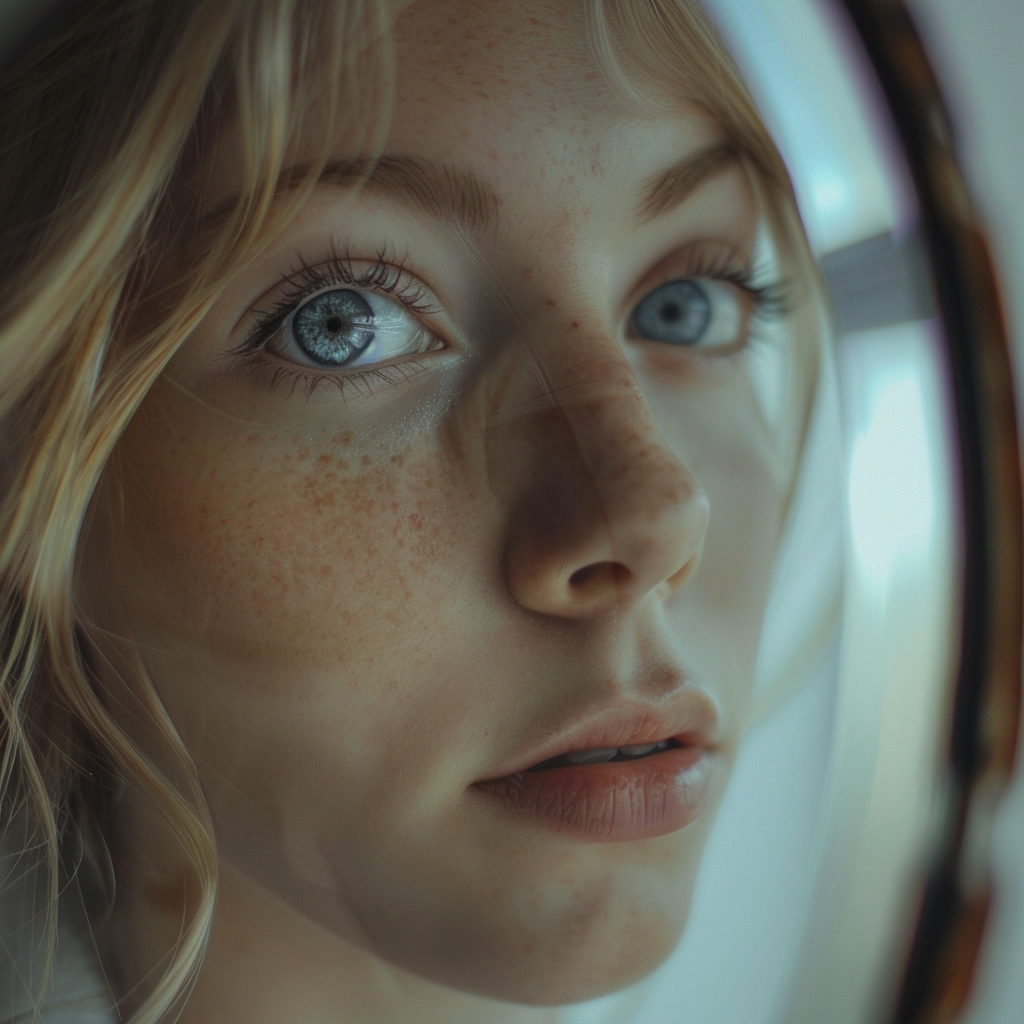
x=333, y=324
x=671, y=312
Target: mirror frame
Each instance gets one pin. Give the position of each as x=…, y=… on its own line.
x=981, y=744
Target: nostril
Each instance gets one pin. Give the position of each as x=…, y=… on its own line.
x=598, y=575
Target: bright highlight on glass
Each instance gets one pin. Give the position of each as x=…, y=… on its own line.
x=891, y=487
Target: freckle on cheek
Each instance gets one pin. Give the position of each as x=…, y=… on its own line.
x=264, y=559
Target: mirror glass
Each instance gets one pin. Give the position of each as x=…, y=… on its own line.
x=809, y=887
x=489, y=529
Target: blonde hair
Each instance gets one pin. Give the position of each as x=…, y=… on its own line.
x=107, y=127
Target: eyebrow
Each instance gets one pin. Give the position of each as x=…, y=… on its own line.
x=439, y=190
x=450, y=193
x=668, y=189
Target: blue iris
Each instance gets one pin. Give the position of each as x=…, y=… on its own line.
x=677, y=313
x=333, y=327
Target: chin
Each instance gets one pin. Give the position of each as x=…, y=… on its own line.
x=602, y=947
x=610, y=933
x=584, y=976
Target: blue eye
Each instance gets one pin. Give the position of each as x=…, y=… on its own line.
x=334, y=327
x=343, y=327
x=693, y=313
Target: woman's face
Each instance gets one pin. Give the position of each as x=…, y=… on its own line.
x=494, y=477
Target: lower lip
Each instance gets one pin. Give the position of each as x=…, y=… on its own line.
x=614, y=802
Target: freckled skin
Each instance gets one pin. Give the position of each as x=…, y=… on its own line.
x=354, y=608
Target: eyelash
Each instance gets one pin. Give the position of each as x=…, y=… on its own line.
x=771, y=299
x=385, y=275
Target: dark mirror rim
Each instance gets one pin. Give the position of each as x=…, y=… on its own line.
x=981, y=745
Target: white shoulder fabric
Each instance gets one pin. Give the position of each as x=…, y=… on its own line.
x=78, y=993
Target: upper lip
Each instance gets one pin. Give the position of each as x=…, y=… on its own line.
x=690, y=718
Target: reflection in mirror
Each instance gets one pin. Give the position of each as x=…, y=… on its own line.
x=458, y=482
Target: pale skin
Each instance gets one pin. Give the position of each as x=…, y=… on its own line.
x=357, y=600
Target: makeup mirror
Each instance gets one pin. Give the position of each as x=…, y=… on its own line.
x=694, y=597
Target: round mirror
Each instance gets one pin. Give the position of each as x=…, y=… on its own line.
x=511, y=514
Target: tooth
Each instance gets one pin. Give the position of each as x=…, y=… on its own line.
x=639, y=750
x=592, y=756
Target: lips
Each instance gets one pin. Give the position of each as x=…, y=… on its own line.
x=629, y=773
x=601, y=755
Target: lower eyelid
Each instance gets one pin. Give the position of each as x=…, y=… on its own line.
x=367, y=382
x=436, y=345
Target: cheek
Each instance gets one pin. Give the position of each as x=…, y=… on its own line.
x=747, y=500
x=723, y=612
x=746, y=467
x=279, y=550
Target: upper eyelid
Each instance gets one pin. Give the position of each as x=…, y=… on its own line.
x=301, y=265
x=700, y=258
x=371, y=282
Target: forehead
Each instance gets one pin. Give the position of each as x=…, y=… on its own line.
x=512, y=92
x=538, y=47
x=516, y=86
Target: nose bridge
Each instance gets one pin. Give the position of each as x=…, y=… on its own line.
x=605, y=510
x=647, y=497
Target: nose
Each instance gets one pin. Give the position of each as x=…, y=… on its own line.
x=605, y=512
